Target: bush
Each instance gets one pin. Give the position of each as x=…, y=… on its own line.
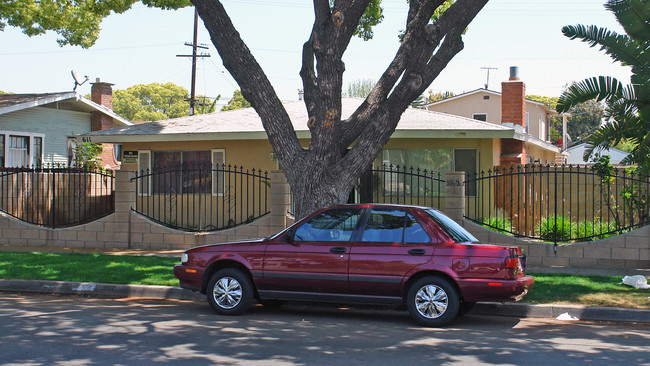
x=594, y=230
x=556, y=228
x=500, y=224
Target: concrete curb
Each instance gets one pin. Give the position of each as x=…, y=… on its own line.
x=518, y=310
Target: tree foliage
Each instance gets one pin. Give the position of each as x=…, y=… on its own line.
x=236, y=102
x=155, y=101
x=340, y=150
x=438, y=96
x=584, y=117
x=360, y=88
x=626, y=106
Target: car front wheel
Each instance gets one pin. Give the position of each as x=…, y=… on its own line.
x=433, y=301
x=230, y=292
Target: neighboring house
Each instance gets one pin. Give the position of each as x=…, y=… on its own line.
x=577, y=152
x=35, y=129
x=509, y=108
x=423, y=139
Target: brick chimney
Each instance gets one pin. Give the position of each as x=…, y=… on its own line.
x=102, y=94
x=513, y=114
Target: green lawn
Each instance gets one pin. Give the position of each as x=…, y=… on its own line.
x=154, y=270
x=123, y=269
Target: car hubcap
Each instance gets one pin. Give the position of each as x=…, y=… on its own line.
x=227, y=292
x=431, y=301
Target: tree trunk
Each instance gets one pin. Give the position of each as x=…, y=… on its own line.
x=326, y=172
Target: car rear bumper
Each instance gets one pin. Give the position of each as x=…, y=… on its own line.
x=189, y=277
x=495, y=290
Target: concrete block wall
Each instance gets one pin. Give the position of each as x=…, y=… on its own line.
x=126, y=229
x=629, y=251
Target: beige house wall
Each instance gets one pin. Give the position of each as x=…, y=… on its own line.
x=467, y=106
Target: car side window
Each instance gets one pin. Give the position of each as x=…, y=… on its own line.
x=414, y=232
x=331, y=225
x=385, y=226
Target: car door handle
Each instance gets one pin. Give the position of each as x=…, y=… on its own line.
x=337, y=250
x=416, y=252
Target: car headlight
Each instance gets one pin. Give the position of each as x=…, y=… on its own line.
x=184, y=258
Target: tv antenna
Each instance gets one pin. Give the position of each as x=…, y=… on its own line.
x=487, y=82
x=76, y=80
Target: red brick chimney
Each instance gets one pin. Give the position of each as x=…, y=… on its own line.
x=102, y=94
x=513, y=113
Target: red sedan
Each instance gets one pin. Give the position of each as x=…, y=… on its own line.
x=367, y=254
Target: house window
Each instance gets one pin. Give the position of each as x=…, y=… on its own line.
x=179, y=172
x=19, y=150
x=480, y=116
x=38, y=152
x=431, y=160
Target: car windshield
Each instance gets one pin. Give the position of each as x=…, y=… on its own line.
x=449, y=226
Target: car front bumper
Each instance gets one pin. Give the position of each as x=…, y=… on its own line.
x=190, y=277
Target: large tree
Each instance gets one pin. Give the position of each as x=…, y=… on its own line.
x=340, y=150
x=627, y=106
x=155, y=101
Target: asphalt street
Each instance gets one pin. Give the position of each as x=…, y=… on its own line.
x=61, y=330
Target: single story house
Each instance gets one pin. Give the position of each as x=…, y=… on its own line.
x=423, y=139
x=35, y=128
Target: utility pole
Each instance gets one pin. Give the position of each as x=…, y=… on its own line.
x=487, y=82
x=194, y=55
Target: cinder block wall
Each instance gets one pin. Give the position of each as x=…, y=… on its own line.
x=629, y=251
x=126, y=229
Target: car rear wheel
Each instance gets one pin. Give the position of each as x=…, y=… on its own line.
x=432, y=301
x=230, y=292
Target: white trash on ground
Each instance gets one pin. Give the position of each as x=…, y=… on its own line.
x=637, y=281
x=566, y=316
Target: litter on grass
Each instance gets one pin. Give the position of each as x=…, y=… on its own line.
x=637, y=281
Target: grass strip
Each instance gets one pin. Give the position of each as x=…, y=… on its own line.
x=82, y=267
x=155, y=270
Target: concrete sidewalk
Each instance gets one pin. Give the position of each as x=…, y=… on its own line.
x=519, y=309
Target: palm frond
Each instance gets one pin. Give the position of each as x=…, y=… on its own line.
x=634, y=16
x=617, y=46
x=599, y=88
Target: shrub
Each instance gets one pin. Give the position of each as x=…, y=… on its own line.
x=556, y=228
x=594, y=230
x=500, y=224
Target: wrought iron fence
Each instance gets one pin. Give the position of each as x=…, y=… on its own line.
x=402, y=185
x=56, y=197
x=202, y=197
x=559, y=203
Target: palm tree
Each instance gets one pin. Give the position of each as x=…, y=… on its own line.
x=627, y=107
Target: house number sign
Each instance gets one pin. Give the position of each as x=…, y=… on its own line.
x=130, y=157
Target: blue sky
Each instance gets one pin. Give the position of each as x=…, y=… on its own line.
x=140, y=46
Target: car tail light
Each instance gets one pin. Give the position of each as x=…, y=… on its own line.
x=515, y=264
